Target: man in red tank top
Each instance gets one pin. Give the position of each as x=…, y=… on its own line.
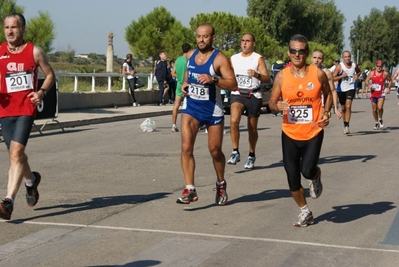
x=19, y=97
x=376, y=82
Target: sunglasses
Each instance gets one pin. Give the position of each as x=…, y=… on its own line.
x=300, y=51
x=379, y=66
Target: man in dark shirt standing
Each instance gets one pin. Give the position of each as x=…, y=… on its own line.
x=161, y=72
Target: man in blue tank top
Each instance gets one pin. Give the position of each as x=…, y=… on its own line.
x=208, y=70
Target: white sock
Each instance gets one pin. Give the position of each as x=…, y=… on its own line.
x=12, y=200
x=174, y=125
x=305, y=209
x=190, y=187
x=219, y=183
x=31, y=180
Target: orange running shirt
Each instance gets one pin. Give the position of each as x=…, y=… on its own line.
x=304, y=96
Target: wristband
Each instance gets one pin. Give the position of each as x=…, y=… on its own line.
x=44, y=92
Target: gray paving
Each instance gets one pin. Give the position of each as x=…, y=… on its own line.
x=108, y=197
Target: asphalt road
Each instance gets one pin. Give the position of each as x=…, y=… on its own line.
x=108, y=192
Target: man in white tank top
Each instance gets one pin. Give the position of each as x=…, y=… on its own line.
x=250, y=71
x=349, y=75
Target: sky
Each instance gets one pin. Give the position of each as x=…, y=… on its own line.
x=84, y=25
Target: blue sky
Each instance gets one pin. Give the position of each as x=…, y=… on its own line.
x=83, y=25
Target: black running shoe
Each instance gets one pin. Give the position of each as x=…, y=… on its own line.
x=32, y=195
x=6, y=208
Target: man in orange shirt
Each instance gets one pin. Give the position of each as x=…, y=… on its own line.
x=301, y=88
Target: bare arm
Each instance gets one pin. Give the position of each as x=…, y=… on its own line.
x=387, y=77
x=263, y=75
x=333, y=92
x=325, y=87
x=275, y=95
x=336, y=72
x=367, y=81
x=41, y=61
x=223, y=66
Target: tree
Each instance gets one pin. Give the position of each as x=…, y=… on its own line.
x=157, y=31
x=376, y=36
x=39, y=30
x=230, y=28
x=319, y=21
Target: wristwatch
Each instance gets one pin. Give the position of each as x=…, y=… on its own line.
x=328, y=113
x=44, y=92
x=215, y=79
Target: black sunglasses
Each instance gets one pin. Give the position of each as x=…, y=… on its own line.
x=300, y=51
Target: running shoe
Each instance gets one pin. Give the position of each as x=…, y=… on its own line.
x=174, y=129
x=234, y=158
x=188, y=195
x=315, y=186
x=221, y=194
x=305, y=219
x=376, y=126
x=6, y=208
x=32, y=195
x=249, y=164
x=381, y=123
x=346, y=130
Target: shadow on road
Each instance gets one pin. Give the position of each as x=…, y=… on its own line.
x=348, y=213
x=144, y=263
x=262, y=196
x=95, y=203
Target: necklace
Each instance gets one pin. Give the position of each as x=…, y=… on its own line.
x=201, y=58
x=14, y=49
x=298, y=74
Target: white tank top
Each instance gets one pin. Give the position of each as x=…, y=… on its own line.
x=348, y=83
x=241, y=66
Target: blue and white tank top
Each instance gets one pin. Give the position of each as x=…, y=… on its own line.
x=203, y=98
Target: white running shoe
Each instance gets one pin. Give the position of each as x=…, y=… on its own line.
x=305, y=219
x=346, y=130
x=175, y=129
x=234, y=158
x=315, y=186
x=249, y=164
x=381, y=124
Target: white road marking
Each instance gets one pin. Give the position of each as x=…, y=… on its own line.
x=273, y=240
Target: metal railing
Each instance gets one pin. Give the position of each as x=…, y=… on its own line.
x=93, y=76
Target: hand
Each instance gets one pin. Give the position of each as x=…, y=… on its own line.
x=184, y=89
x=282, y=105
x=36, y=98
x=339, y=115
x=204, y=79
x=252, y=73
x=323, y=120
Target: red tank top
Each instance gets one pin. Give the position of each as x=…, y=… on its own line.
x=377, y=84
x=18, y=77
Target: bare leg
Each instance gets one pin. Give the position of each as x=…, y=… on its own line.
x=19, y=168
x=252, y=133
x=189, y=130
x=299, y=197
x=215, y=139
x=236, y=110
x=178, y=100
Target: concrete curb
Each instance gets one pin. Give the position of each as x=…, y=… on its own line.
x=53, y=124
